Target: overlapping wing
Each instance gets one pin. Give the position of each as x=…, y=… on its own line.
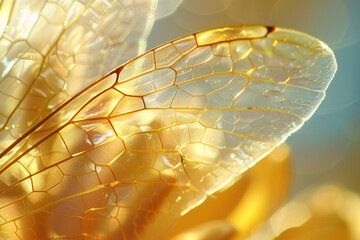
x=50, y=50
x=155, y=137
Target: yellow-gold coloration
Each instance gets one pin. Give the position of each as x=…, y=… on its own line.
x=269, y=185
x=230, y=33
x=123, y=156
x=214, y=230
x=51, y=50
x=327, y=212
x=251, y=200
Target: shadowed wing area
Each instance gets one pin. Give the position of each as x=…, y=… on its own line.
x=155, y=137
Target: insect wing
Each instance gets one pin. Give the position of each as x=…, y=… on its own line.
x=155, y=137
x=52, y=50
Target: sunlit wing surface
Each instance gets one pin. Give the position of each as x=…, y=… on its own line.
x=155, y=137
x=50, y=51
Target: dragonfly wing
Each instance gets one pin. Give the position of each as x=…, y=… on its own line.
x=155, y=137
x=52, y=50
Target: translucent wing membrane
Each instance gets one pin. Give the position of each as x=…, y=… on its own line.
x=155, y=137
x=166, y=8
x=52, y=50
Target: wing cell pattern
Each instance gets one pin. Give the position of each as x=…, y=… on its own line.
x=155, y=137
x=52, y=50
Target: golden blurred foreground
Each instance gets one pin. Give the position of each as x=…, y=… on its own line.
x=325, y=213
x=260, y=191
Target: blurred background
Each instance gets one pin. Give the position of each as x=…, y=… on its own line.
x=327, y=148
